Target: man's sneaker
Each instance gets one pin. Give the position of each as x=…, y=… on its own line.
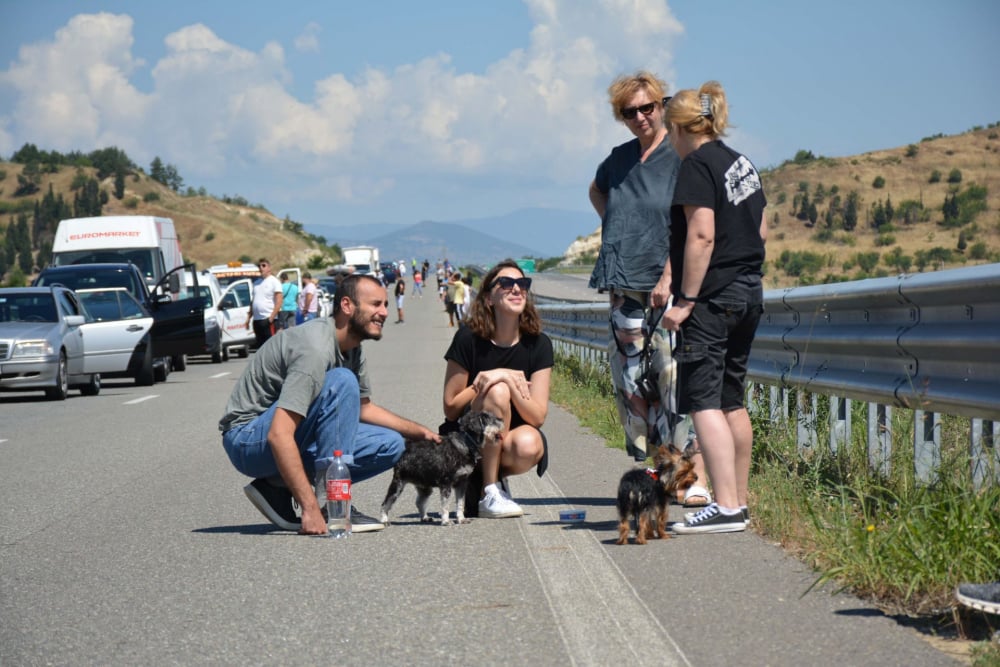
x=984, y=597
x=275, y=503
x=362, y=523
x=495, y=506
x=711, y=520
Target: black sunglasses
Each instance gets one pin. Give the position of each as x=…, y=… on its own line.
x=628, y=113
x=507, y=283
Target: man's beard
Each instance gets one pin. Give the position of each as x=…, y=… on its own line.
x=357, y=327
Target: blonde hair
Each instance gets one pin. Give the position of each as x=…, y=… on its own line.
x=626, y=86
x=704, y=111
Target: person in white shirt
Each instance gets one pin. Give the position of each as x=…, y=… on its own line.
x=267, y=299
x=309, y=305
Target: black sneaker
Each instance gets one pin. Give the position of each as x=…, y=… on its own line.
x=743, y=509
x=274, y=503
x=711, y=520
x=984, y=597
x=362, y=523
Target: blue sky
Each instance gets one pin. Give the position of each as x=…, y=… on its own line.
x=344, y=112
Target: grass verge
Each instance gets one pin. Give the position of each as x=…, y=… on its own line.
x=901, y=544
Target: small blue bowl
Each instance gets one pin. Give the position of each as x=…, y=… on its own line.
x=572, y=516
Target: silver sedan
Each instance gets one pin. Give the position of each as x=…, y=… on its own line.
x=42, y=342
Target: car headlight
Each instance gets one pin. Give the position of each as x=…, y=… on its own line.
x=32, y=348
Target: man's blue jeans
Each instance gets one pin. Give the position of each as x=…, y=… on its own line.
x=331, y=423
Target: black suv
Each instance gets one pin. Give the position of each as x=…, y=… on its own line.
x=178, y=325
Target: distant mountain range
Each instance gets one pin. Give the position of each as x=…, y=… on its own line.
x=533, y=232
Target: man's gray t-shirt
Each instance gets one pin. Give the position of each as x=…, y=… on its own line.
x=635, y=231
x=290, y=369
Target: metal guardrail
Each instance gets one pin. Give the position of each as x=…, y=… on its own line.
x=926, y=342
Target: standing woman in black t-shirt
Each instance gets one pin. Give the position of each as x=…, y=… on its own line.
x=717, y=234
x=500, y=361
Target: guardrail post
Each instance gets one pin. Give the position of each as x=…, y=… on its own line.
x=879, y=437
x=807, y=410
x=840, y=423
x=926, y=444
x=984, y=452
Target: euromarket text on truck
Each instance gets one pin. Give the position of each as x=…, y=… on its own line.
x=149, y=242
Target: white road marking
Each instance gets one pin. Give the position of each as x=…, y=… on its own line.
x=140, y=400
x=218, y=375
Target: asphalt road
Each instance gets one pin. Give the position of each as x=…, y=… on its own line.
x=125, y=539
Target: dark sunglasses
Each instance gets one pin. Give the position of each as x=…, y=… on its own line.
x=628, y=113
x=507, y=283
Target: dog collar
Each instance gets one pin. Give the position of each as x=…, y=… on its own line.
x=652, y=472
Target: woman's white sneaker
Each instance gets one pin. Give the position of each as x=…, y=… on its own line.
x=495, y=506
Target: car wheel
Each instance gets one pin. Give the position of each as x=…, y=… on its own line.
x=217, y=357
x=162, y=370
x=92, y=388
x=61, y=389
x=145, y=377
x=244, y=352
x=225, y=354
x=178, y=363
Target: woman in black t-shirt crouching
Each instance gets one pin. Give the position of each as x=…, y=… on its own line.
x=501, y=362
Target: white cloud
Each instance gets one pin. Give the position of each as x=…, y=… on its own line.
x=308, y=39
x=75, y=90
x=539, y=113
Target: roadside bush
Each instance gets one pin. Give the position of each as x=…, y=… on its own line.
x=151, y=196
x=935, y=177
x=131, y=203
x=878, y=183
x=955, y=176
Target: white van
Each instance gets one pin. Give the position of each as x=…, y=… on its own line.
x=226, y=325
x=148, y=242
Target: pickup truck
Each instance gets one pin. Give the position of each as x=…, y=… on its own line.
x=178, y=325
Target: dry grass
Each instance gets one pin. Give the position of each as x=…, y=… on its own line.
x=235, y=231
x=975, y=153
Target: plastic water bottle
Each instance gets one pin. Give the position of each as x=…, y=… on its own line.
x=338, y=497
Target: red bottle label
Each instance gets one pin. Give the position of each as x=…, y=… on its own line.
x=338, y=489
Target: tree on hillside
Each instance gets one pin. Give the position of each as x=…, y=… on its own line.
x=89, y=200
x=119, y=185
x=851, y=211
x=28, y=180
x=25, y=260
x=157, y=171
x=174, y=180
x=110, y=161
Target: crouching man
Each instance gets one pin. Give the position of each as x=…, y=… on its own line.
x=306, y=393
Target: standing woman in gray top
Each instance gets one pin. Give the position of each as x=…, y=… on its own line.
x=632, y=192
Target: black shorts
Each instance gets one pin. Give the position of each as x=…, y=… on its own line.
x=713, y=347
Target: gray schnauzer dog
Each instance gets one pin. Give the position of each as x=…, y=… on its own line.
x=447, y=466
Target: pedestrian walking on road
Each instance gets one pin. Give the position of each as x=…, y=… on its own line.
x=265, y=304
x=501, y=362
x=306, y=394
x=717, y=236
x=289, y=303
x=400, y=295
x=458, y=296
x=631, y=192
x=418, y=284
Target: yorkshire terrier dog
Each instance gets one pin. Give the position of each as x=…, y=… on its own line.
x=644, y=494
x=445, y=465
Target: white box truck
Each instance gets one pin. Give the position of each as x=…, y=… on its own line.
x=363, y=258
x=149, y=242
